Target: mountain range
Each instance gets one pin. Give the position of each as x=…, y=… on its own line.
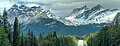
x=80, y=21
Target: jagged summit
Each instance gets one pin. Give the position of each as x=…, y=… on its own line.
x=97, y=7
x=97, y=15
x=84, y=7
x=27, y=14
x=75, y=12
x=15, y=5
x=79, y=9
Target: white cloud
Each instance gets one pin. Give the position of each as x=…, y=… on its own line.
x=64, y=7
x=30, y=5
x=5, y=4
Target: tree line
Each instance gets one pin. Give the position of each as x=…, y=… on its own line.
x=11, y=36
x=107, y=36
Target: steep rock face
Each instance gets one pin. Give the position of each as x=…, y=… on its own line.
x=97, y=7
x=117, y=19
x=76, y=12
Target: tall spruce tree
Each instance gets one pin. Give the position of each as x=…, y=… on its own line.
x=16, y=33
x=7, y=25
x=22, y=40
x=35, y=41
x=4, y=41
x=25, y=38
x=40, y=39
x=9, y=32
x=4, y=18
x=29, y=38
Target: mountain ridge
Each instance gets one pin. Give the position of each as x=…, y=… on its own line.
x=97, y=14
x=39, y=20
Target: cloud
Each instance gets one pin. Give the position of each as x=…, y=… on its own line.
x=65, y=7
x=5, y=4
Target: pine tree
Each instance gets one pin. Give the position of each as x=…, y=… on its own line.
x=101, y=38
x=115, y=31
x=104, y=37
x=4, y=18
x=35, y=41
x=25, y=41
x=16, y=33
x=32, y=38
x=54, y=34
x=40, y=39
x=7, y=25
x=9, y=32
x=4, y=41
x=29, y=38
x=55, y=38
x=22, y=40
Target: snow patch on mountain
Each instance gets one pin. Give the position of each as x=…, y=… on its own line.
x=96, y=15
x=79, y=16
x=27, y=14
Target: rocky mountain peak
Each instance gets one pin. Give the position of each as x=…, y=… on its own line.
x=15, y=5
x=79, y=9
x=97, y=7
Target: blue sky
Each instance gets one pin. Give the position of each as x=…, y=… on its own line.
x=61, y=7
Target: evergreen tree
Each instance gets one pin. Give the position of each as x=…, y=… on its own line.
x=104, y=37
x=16, y=33
x=54, y=34
x=35, y=41
x=7, y=25
x=4, y=18
x=40, y=39
x=101, y=38
x=30, y=38
x=9, y=32
x=25, y=41
x=115, y=32
x=4, y=41
x=55, y=39
x=22, y=40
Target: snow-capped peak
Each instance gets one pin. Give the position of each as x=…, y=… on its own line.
x=79, y=16
x=76, y=12
x=79, y=9
x=97, y=15
x=28, y=14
